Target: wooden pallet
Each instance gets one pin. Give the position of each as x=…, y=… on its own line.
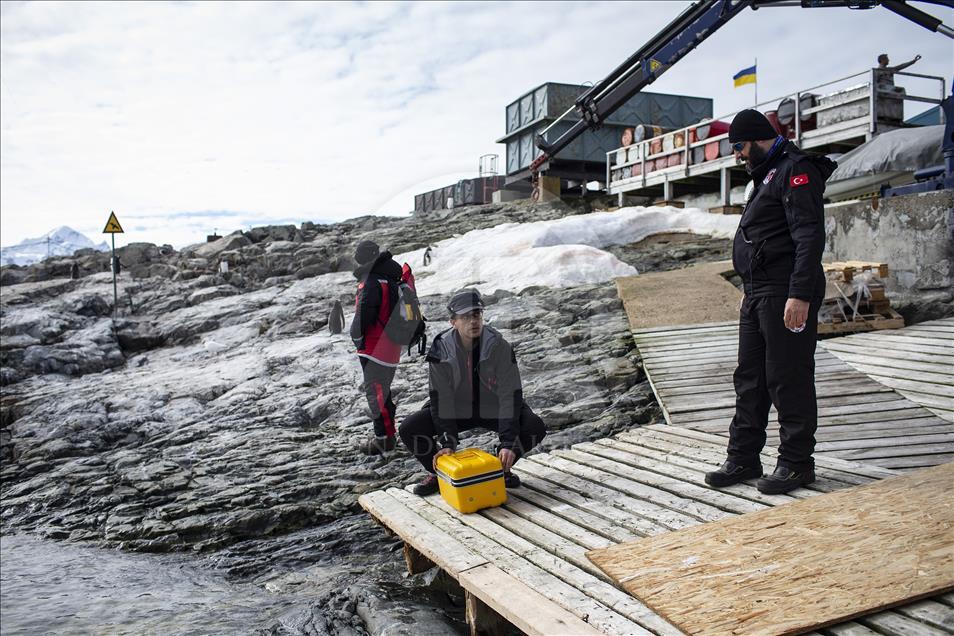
x=850, y=268
x=889, y=319
x=526, y=561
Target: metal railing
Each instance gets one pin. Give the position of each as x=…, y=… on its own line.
x=640, y=152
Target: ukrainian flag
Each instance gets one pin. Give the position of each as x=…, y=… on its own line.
x=745, y=76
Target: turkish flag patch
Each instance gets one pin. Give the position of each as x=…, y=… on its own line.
x=799, y=179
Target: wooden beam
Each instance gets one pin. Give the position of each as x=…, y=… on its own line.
x=416, y=562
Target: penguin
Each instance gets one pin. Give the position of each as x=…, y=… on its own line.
x=336, y=318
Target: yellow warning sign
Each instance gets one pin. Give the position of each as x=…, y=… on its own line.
x=112, y=225
x=654, y=65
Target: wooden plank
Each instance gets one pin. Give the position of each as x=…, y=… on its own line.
x=828, y=462
x=837, y=406
x=930, y=612
x=693, y=470
x=641, y=517
x=705, y=401
x=894, y=624
x=681, y=344
x=441, y=548
x=693, y=509
x=706, y=327
x=843, y=554
x=690, y=492
x=482, y=619
x=930, y=358
x=576, y=514
x=598, y=602
x=885, y=370
x=719, y=384
x=901, y=450
x=713, y=455
x=524, y=607
x=945, y=438
x=873, y=344
x=912, y=462
x=867, y=358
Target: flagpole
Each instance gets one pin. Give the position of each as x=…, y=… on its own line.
x=756, y=81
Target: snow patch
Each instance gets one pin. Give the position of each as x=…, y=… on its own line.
x=560, y=253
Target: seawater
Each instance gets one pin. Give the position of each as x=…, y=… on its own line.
x=48, y=587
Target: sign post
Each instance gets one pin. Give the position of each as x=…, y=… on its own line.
x=113, y=227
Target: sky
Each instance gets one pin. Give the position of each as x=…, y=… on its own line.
x=185, y=118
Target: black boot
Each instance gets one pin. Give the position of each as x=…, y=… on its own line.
x=511, y=480
x=377, y=445
x=731, y=473
x=428, y=486
x=785, y=479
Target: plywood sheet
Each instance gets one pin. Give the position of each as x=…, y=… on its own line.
x=693, y=295
x=798, y=566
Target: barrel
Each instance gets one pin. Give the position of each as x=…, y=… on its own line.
x=643, y=132
x=637, y=169
x=656, y=146
x=786, y=111
x=699, y=154
x=679, y=139
x=669, y=143
x=675, y=159
x=725, y=148
x=627, y=137
x=712, y=150
x=711, y=129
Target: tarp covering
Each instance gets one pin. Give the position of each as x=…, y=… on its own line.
x=903, y=150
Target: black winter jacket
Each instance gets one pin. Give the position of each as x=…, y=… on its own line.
x=781, y=236
x=369, y=298
x=453, y=375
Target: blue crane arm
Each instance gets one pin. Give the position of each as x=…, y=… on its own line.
x=700, y=20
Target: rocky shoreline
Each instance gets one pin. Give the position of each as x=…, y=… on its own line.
x=219, y=416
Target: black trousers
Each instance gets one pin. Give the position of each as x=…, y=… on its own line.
x=377, y=389
x=776, y=367
x=418, y=433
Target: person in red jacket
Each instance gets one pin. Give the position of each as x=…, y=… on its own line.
x=378, y=275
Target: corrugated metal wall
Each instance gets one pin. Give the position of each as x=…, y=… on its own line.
x=464, y=192
x=535, y=110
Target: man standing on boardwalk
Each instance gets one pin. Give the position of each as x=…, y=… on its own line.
x=777, y=250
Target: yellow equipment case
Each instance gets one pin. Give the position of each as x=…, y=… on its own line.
x=471, y=480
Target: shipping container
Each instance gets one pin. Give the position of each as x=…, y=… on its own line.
x=465, y=192
x=529, y=115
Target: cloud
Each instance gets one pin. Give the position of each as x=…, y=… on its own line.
x=297, y=110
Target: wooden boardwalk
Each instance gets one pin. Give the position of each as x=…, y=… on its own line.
x=690, y=369
x=526, y=560
x=917, y=361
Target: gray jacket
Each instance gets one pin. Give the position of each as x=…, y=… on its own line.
x=484, y=385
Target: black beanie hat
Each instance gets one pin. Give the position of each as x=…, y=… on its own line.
x=365, y=252
x=751, y=125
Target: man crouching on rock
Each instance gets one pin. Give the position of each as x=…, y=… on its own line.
x=474, y=382
x=378, y=275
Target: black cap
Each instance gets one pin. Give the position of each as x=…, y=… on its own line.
x=365, y=252
x=751, y=125
x=464, y=301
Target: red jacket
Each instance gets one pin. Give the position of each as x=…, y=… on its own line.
x=372, y=306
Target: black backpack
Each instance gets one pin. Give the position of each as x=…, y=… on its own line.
x=405, y=326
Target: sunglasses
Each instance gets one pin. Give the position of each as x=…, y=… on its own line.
x=738, y=146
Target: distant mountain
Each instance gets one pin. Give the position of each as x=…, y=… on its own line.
x=62, y=241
